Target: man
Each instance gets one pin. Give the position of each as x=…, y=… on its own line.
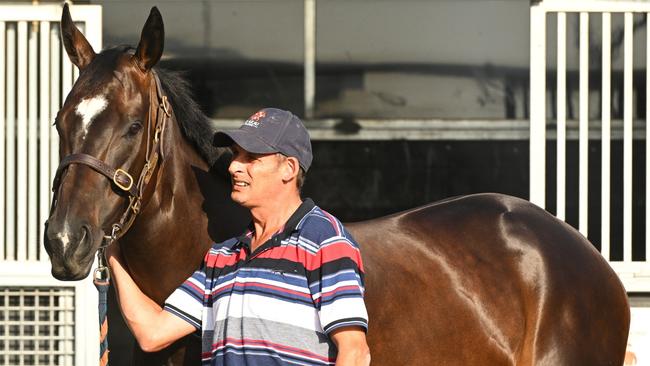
x=288, y=291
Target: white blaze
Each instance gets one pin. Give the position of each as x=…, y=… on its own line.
x=89, y=108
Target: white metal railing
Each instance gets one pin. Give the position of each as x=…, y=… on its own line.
x=635, y=274
x=35, y=74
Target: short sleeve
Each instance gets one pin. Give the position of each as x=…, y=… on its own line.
x=187, y=301
x=337, y=282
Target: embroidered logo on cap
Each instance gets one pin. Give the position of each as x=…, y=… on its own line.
x=254, y=120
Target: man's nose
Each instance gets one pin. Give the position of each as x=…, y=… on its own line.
x=235, y=166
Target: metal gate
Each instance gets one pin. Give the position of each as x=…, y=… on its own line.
x=42, y=321
x=634, y=273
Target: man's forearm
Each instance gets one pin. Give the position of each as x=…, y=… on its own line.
x=352, y=347
x=139, y=311
x=353, y=357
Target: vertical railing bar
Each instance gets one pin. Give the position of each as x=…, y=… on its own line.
x=32, y=158
x=310, y=57
x=44, y=132
x=538, y=105
x=75, y=71
x=21, y=153
x=627, y=137
x=583, y=180
x=561, y=116
x=55, y=100
x=68, y=330
x=66, y=77
x=3, y=122
x=647, y=150
x=606, y=136
x=10, y=172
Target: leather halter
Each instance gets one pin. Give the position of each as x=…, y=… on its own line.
x=120, y=177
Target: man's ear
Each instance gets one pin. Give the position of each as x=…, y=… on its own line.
x=291, y=167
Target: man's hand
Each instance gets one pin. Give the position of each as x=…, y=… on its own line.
x=352, y=346
x=113, y=253
x=153, y=328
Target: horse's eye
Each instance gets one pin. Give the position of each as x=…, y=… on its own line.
x=135, y=128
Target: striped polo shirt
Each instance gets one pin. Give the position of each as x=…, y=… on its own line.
x=277, y=305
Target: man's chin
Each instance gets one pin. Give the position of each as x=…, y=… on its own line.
x=238, y=198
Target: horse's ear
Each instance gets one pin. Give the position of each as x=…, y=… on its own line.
x=79, y=50
x=152, y=41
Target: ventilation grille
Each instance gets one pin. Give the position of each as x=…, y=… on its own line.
x=36, y=326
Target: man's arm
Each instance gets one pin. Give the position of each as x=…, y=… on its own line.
x=352, y=346
x=153, y=328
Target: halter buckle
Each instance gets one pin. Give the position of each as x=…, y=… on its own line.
x=123, y=187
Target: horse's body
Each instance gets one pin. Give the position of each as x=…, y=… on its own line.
x=477, y=280
x=488, y=279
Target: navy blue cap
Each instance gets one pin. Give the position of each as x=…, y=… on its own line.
x=268, y=131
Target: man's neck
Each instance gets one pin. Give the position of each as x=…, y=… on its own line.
x=270, y=218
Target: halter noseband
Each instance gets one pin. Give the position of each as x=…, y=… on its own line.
x=120, y=177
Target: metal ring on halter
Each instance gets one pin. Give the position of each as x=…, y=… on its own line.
x=102, y=273
x=114, y=231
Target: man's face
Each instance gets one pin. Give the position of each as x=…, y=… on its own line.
x=256, y=178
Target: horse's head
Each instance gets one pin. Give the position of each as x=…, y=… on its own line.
x=106, y=116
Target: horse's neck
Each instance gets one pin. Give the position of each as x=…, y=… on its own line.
x=170, y=236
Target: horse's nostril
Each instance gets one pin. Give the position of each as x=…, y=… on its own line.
x=84, y=232
x=85, y=238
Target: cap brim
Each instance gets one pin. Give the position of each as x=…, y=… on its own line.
x=243, y=138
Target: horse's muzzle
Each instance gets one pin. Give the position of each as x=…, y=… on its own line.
x=71, y=251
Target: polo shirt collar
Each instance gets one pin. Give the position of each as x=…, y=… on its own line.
x=289, y=227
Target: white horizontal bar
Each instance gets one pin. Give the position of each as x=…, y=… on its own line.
x=30, y=274
x=440, y=129
x=50, y=13
x=592, y=6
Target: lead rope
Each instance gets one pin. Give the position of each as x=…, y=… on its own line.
x=102, y=281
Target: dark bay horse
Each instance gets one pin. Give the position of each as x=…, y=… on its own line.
x=484, y=279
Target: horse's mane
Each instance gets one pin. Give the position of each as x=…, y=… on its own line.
x=194, y=124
